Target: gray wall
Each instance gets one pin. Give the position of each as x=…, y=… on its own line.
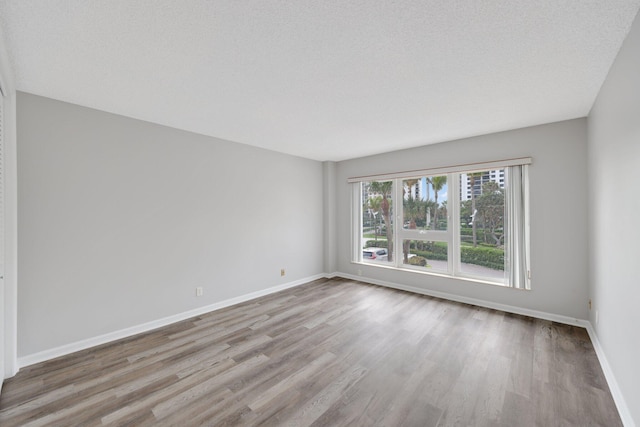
x=120, y=220
x=558, y=213
x=614, y=165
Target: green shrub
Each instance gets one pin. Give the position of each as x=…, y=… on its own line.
x=484, y=256
x=466, y=235
x=418, y=260
x=430, y=250
x=377, y=244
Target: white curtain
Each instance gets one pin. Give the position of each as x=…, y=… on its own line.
x=517, y=224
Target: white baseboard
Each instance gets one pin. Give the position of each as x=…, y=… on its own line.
x=145, y=327
x=618, y=398
x=473, y=301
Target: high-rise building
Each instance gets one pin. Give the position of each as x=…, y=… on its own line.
x=482, y=178
x=416, y=190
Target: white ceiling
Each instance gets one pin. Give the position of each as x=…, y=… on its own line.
x=322, y=79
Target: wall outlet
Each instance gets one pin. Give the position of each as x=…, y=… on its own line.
x=597, y=317
x=199, y=291
x=282, y=272
x=359, y=272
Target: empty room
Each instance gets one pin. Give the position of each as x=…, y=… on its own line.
x=296, y=213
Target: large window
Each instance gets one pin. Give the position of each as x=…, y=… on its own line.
x=469, y=223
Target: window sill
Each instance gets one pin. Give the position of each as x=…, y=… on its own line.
x=435, y=274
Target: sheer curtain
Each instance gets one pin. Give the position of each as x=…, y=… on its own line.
x=517, y=223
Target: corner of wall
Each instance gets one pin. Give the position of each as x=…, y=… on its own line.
x=329, y=216
x=616, y=393
x=612, y=158
x=9, y=345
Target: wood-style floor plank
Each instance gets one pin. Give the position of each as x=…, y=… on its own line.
x=331, y=352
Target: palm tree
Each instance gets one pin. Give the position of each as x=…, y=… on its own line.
x=384, y=190
x=374, y=206
x=472, y=182
x=443, y=208
x=437, y=182
x=410, y=212
x=491, y=211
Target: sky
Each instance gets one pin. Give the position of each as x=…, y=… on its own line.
x=442, y=194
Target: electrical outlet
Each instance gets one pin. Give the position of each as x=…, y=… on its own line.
x=359, y=272
x=597, y=317
x=199, y=291
x=282, y=272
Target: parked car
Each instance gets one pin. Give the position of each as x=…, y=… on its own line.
x=377, y=254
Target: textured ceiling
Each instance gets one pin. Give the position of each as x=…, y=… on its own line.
x=326, y=80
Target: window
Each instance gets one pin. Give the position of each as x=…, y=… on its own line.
x=481, y=227
x=377, y=221
x=469, y=223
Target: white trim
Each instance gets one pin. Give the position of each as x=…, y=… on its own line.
x=397, y=223
x=63, y=350
x=443, y=170
x=473, y=301
x=454, y=257
x=436, y=273
x=356, y=224
x=616, y=393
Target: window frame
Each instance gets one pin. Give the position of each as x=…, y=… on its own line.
x=451, y=236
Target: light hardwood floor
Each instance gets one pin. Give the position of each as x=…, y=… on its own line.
x=328, y=353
